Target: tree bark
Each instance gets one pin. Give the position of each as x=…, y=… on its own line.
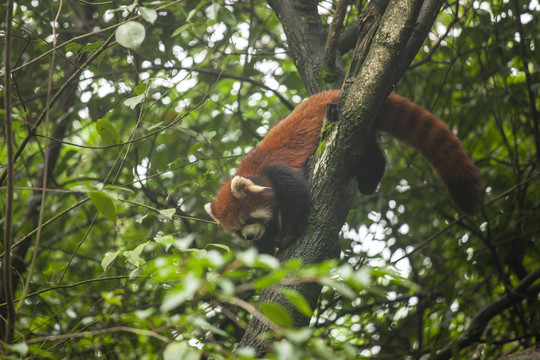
x=306, y=38
x=382, y=54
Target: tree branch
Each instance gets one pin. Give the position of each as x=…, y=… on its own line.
x=428, y=14
x=306, y=40
x=349, y=38
x=525, y=289
x=330, y=49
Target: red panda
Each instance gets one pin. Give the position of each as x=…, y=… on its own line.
x=270, y=182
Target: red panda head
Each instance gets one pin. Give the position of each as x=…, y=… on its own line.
x=243, y=207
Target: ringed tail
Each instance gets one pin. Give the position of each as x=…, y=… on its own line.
x=418, y=128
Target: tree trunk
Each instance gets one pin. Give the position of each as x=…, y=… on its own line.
x=382, y=53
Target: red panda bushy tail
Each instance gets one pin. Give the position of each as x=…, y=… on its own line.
x=423, y=131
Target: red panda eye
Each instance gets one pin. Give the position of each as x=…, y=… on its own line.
x=250, y=221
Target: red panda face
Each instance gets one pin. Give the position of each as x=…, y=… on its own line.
x=243, y=208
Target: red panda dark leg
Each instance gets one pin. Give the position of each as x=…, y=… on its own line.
x=369, y=168
x=293, y=200
x=267, y=244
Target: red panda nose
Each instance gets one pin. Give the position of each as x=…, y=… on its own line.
x=250, y=236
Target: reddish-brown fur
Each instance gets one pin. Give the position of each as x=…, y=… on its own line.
x=296, y=137
x=230, y=210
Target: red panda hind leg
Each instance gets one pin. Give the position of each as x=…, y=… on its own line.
x=369, y=167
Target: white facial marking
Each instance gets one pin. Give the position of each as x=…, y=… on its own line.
x=253, y=232
x=208, y=208
x=262, y=213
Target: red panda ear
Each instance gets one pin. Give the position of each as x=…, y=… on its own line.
x=208, y=208
x=241, y=186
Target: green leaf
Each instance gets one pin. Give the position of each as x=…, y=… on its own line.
x=299, y=336
x=227, y=16
x=168, y=213
x=19, y=348
x=188, y=131
x=155, y=126
x=140, y=89
x=73, y=47
x=277, y=314
x=184, y=291
x=165, y=240
x=343, y=289
x=148, y=14
x=180, y=30
x=132, y=6
x=248, y=256
x=219, y=246
x=130, y=35
x=140, y=220
x=184, y=242
x=272, y=278
x=112, y=297
x=196, y=147
x=38, y=352
x=298, y=301
x=133, y=256
x=209, y=134
x=194, y=11
x=181, y=350
x=108, y=259
x=64, y=160
x=92, y=46
x=107, y=132
x=134, y=101
x=104, y=204
x=110, y=187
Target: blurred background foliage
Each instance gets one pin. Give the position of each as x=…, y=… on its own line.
x=138, y=111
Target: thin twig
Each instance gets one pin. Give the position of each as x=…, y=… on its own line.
x=71, y=286
x=10, y=170
x=100, y=332
x=253, y=311
x=45, y=170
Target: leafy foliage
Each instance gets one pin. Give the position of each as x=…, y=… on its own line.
x=136, y=112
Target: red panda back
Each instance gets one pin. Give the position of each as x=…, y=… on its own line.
x=291, y=141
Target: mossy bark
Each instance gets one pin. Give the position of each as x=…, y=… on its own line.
x=379, y=61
